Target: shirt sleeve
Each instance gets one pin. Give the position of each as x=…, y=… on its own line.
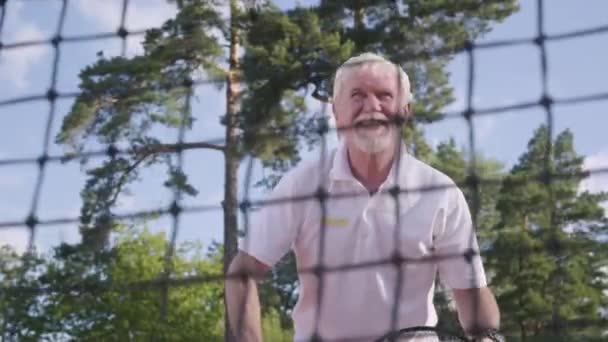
x=459, y=239
x=273, y=226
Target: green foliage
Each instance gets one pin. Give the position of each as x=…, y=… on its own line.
x=297, y=53
x=414, y=139
x=480, y=195
x=279, y=293
x=178, y=181
x=20, y=309
x=548, y=254
x=98, y=298
x=123, y=100
x=481, y=200
x=67, y=296
x=194, y=312
x=285, y=54
x=541, y=236
x=273, y=330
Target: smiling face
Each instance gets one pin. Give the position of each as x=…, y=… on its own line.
x=368, y=99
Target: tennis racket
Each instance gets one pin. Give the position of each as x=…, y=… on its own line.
x=422, y=334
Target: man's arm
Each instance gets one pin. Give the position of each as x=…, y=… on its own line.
x=477, y=310
x=242, y=297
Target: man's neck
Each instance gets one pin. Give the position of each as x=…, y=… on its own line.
x=371, y=169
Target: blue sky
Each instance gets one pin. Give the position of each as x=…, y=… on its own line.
x=504, y=76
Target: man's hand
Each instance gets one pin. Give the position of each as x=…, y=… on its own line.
x=242, y=297
x=477, y=310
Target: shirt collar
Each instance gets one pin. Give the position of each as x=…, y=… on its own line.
x=340, y=169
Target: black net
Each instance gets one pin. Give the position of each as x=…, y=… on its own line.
x=167, y=281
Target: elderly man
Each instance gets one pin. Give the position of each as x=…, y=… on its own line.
x=363, y=222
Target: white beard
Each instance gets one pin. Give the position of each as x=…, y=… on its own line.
x=374, y=142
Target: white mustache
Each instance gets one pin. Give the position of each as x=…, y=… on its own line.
x=370, y=116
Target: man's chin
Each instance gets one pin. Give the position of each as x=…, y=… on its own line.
x=372, y=146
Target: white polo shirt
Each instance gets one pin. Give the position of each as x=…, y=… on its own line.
x=362, y=229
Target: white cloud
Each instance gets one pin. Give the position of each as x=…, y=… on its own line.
x=105, y=16
x=597, y=181
x=484, y=127
x=10, y=179
x=214, y=198
x=148, y=14
x=49, y=236
x=126, y=202
x=459, y=103
x=69, y=234
x=18, y=238
x=16, y=63
x=325, y=110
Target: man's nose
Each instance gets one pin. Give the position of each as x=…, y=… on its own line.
x=371, y=104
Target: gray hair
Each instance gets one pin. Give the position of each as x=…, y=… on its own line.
x=367, y=58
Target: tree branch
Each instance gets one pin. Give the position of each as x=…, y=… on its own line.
x=149, y=150
x=161, y=148
x=123, y=178
x=145, y=152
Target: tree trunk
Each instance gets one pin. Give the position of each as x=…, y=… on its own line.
x=5, y=325
x=231, y=158
x=359, y=13
x=524, y=229
x=556, y=319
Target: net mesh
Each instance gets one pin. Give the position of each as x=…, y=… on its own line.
x=547, y=102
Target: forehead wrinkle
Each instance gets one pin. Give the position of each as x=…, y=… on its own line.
x=377, y=82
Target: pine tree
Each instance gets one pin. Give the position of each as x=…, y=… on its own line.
x=548, y=254
x=272, y=61
x=291, y=57
x=296, y=54
x=123, y=100
x=481, y=195
x=481, y=201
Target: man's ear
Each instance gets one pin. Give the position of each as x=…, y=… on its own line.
x=333, y=109
x=407, y=109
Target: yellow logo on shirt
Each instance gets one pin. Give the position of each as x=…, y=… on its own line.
x=336, y=222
